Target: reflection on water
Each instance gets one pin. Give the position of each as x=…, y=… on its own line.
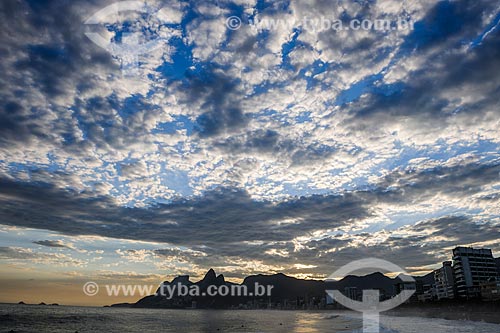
x=322, y=322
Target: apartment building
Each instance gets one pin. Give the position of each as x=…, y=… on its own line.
x=444, y=282
x=471, y=268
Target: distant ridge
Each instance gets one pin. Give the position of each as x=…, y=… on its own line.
x=287, y=290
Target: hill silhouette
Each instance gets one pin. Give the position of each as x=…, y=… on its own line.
x=287, y=291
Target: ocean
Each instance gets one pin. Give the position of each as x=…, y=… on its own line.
x=34, y=318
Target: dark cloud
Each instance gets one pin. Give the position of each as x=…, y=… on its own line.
x=464, y=180
x=220, y=109
x=63, y=50
x=423, y=97
x=226, y=222
x=428, y=242
x=17, y=253
x=425, y=243
x=272, y=143
x=53, y=243
x=14, y=124
x=45, y=57
x=446, y=20
x=218, y=217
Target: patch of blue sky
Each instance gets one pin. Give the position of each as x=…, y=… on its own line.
x=176, y=180
x=20, y=168
x=179, y=123
x=304, y=117
x=53, y=165
x=481, y=148
x=21, y=237
x=302, y=188
x=110, y=245
x=296, y=189
x=287, y=48
x=309, y=72
x=336, y=171
x=28, y=168
x=360, y=183
x=446, y=23
x=355, y=91
x=182, y=61
x=117, y=185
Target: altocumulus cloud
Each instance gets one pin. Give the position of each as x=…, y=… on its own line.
x=228, y=223
x=288, y=146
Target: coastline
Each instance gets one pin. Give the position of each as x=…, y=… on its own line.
x=474, y=311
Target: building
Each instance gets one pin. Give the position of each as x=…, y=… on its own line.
x=426, y=296
x=406, y=285
x=490, y=291
x=351, y=292
x=471, y=268
x=424, y=287
x=444, y=286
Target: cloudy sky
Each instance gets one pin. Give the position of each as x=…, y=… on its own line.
x=260, y=149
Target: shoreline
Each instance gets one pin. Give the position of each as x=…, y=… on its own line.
x=476, y=312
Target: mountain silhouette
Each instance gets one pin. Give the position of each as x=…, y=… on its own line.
x=287, y=291
x=371, y=281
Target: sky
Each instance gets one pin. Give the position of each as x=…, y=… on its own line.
x=255, y=149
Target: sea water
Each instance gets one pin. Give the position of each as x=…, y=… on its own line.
x=34, y=318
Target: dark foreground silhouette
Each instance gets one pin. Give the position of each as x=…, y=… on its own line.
x=290, y=293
